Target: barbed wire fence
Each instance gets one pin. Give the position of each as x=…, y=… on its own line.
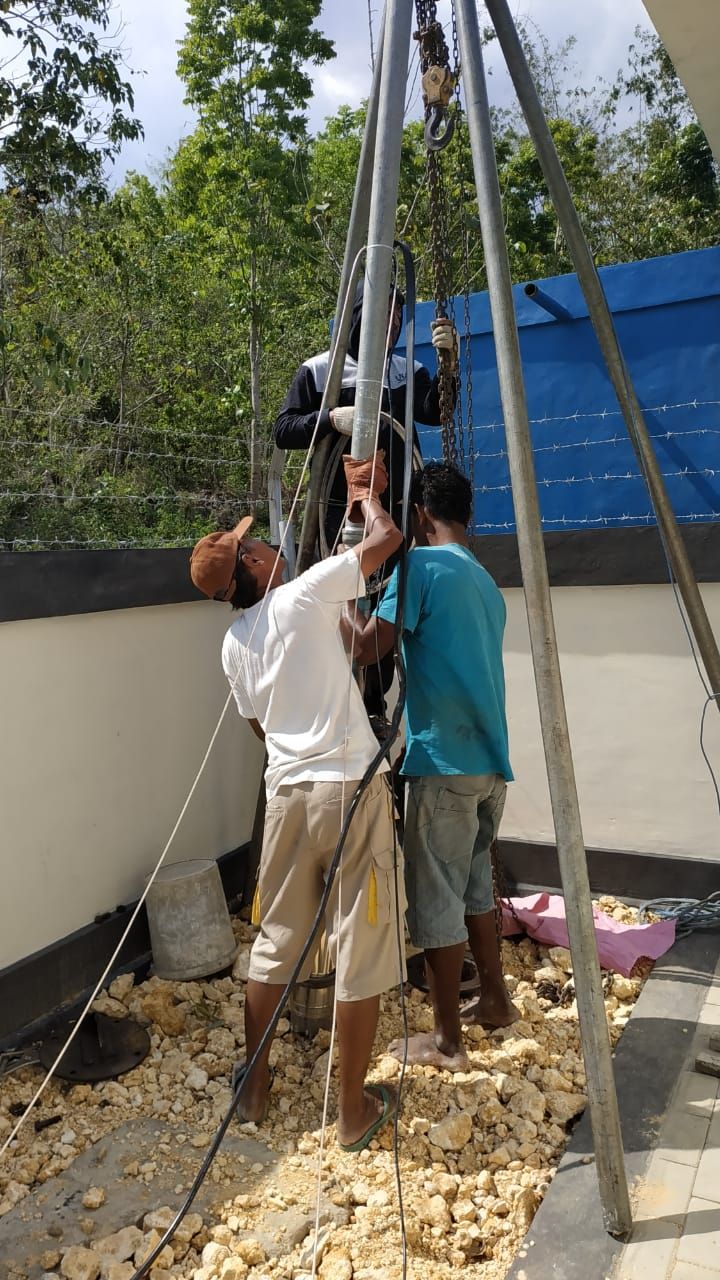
x=73, y=482
x=70, y=481
x=587, y=474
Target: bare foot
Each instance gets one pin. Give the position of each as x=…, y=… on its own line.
x=423, y=1051
x=254, y=1099
x=351, y=1128
x=489, y=1012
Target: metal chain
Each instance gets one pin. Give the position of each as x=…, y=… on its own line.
x=501, y=893
x=465, y=265
x=433, y=50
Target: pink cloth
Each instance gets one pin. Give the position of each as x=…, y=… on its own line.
x=620, y=946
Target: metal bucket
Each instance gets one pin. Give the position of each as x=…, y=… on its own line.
x=189, y=921
x=311, y=1002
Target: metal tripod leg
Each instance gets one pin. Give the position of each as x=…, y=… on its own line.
x=566, y=812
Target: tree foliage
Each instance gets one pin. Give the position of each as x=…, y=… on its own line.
x=63, y=101
x=146, y=341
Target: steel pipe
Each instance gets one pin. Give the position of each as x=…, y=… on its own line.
x=556, y=740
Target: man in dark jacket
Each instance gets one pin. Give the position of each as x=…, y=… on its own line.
x=298, y=417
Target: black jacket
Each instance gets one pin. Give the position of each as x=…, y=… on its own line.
x=296, y=420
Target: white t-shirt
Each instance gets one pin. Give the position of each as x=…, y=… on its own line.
x=289, y=670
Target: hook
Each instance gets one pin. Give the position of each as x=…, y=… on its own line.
x=437, y=137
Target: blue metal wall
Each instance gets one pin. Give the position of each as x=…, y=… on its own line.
x=667, y=312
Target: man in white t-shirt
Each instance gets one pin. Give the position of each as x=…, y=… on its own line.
x=291, y=678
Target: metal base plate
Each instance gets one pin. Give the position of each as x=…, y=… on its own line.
x=102, y=1049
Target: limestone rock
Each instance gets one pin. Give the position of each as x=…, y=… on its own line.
x=336, y=1265
x=94, y=1198
x=565, y=1106
x=500, y=1157
x=251, y=1252
x=442, y=1184
x=525, y=1207
x=552, y=1081
x=623, y=988
x=121, y=987
x=160, y=1007
x=150, y=1242
x=50, y=1259
x=233, y=1269
x=464, y=1211
x=311, y=1250
x=196, y=1079
x=80, y=1264
x=121, y=1246
x=213, y=1254
x=529, y=1103
x=158, y=1219
x=561, y=958
x=452, y=1133
x=118, y=1270
x=111, y=1008
x=434, y=1211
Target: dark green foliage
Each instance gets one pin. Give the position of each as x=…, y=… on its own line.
x=63, y=99
x=147, y=341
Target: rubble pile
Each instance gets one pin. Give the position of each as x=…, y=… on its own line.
x=478, y=1149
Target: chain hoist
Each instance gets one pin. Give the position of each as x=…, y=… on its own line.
x=438, y=84
x=465, y=268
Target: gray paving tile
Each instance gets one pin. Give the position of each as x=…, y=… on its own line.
x=688, y=1271
x=665, y=1191
x=709, y=1018
x=700, y=1243
x=707, y=1178
x=713, y=995
x=650, y=1253
x=683, y=1137
x=696, y=1093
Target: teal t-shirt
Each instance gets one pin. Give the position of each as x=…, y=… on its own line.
x=452, y=645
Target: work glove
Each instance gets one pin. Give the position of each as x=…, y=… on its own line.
x=342, y=419
x=445, y=341
x=366, y=478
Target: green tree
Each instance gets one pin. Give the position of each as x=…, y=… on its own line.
x=63, y=102
x=244, y=67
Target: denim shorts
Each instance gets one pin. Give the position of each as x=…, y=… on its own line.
x=451, y=821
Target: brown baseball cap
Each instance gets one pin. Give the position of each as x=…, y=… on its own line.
x=212, y=563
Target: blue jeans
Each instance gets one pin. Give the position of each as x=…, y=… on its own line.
x=450, y=822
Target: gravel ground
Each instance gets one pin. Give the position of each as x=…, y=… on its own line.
x=478, y=1149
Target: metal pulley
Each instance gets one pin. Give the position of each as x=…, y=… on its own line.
x=438, y=85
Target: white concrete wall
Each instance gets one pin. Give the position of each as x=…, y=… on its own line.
x=104, y=722
x=634, y=703
x=105, y=718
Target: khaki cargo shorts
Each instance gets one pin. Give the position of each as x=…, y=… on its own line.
x=302, y=826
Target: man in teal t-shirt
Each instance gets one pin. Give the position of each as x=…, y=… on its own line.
x=456, y=760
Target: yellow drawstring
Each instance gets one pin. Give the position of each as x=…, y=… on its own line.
x=372, y=898
x=255, y=913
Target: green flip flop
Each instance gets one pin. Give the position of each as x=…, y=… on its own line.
x=389, y=1102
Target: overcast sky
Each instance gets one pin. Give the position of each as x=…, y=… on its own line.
x=603, y=28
